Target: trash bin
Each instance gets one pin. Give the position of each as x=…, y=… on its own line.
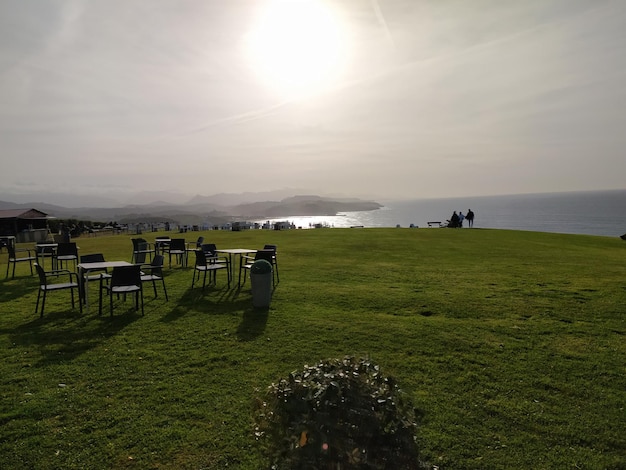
x=261, y=283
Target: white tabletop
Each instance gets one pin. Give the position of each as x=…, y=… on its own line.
x=103, y=265
x=236, y=251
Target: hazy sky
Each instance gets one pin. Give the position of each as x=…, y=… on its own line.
x=415, y=98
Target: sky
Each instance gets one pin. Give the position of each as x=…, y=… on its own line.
x=381, y=99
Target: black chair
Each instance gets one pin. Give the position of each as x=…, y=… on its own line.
x=212, y=256
x=66, y=252
x=45, y=286
x=14, y=259
x=178, y=248
x=274, y=261
x=124, y=280
x=245, y=262
x=141, y=248
x=155, y=269
x=204, y=265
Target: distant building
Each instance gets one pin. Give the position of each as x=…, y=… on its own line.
x=26, y=225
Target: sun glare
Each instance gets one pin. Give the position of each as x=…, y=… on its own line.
x=298, y=47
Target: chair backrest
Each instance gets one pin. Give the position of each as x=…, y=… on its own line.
x=137, y=241
x=270, y=247
x=157, y=265
x=126, y=276
x=65, y=249
x=267, y=255
x=177, y=244
x=11, y=249
x=92, y=258
x=200, y=258
x=199, y=242
x=43, y=280
x=209, y=248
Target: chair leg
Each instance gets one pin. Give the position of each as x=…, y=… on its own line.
x=43, y=303
x=37, y=304
x=154, y=287
x=164, y=289
x=100, y=300
x=80, y=302
x=111, y=302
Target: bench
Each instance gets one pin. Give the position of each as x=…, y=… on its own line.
x=434, y=224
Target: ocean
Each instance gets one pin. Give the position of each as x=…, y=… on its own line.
x=589, y=213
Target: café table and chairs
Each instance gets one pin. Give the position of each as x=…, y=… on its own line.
x=86, y=269
x=235, y=252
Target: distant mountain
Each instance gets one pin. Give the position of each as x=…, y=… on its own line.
x=233, y=199
x=202, y=210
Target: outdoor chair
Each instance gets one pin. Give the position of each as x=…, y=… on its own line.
x=212, y=256
x=141, y=248
x=154, y=274
x=45, y=286
x=204, y=265
x=245, y=263
x=124, y=280
x=13, y=259
x=66, y=252
x=274, y=248
x=178, y=248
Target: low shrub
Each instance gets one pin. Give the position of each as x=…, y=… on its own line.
x=340, y=414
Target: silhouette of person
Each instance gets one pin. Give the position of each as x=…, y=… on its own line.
x=461, y=219
x=454, y=220
x=470, y=218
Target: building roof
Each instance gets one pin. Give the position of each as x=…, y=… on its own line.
x=22, y=214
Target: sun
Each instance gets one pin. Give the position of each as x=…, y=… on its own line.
x=298, y=47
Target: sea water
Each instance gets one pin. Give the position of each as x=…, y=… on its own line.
x=591, y=213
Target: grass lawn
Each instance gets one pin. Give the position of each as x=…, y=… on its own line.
x=510, y=344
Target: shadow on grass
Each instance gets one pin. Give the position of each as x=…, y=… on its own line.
x=63, y=336
x=213, y=300
x=252, y=323
x=12, y=289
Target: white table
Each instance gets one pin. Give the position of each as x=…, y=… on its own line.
x=235, y=251
x=51, y=253
x=84, y=268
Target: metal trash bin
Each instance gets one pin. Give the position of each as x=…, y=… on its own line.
x=261, y=283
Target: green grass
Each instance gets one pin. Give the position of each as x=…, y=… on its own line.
x=510, y=344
